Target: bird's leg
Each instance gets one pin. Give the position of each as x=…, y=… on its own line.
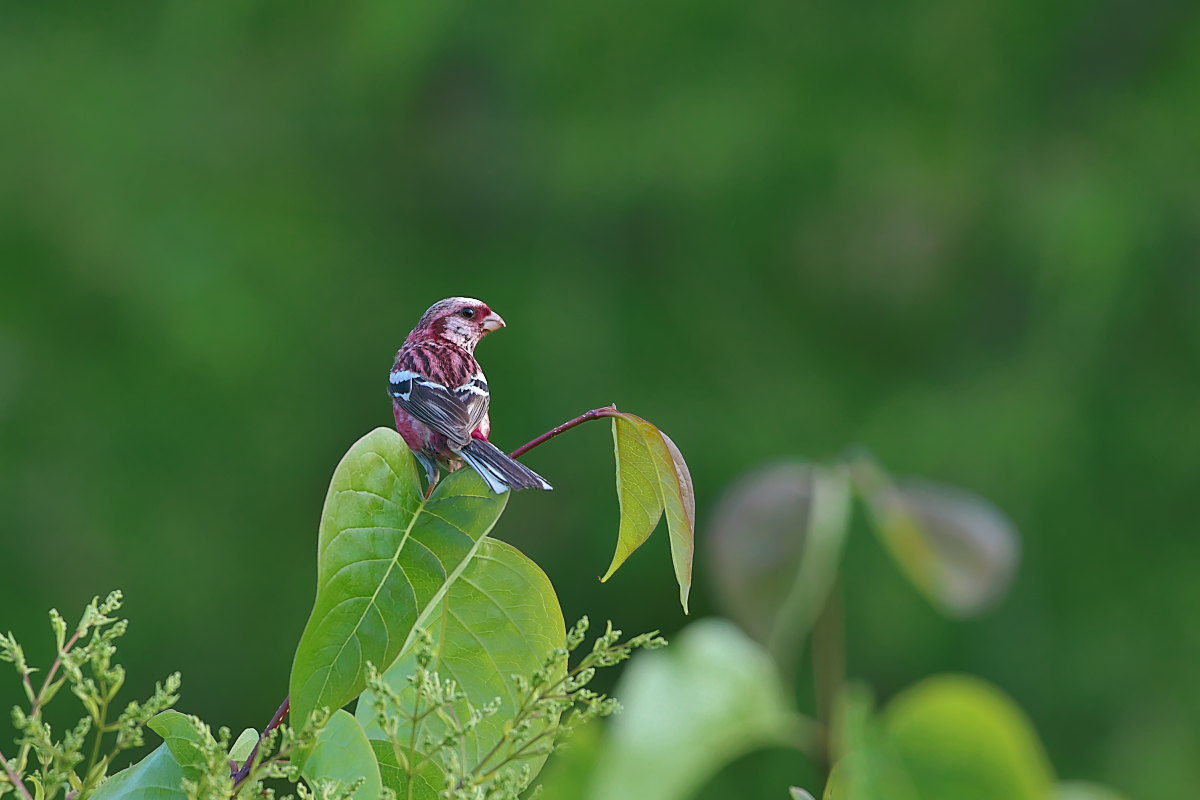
x=431, y=471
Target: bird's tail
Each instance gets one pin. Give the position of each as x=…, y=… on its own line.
x=500, y=471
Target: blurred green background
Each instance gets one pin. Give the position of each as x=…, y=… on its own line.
x=964, y=236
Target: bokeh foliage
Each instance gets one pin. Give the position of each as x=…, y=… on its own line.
x=961, y=235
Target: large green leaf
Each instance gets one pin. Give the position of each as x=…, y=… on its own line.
x=710, y=697
x=652, y=477
x=947, y=738
x=958, y=736
x=499, y=620
x=425, y=782
x=386, y=557
x=158, y=776
x=342, y=753
x=776, y=541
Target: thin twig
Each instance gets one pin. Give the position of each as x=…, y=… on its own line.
x=37, y=707
x=36, y=710
x=240, y=775
x=595, y=413
x=15, y=778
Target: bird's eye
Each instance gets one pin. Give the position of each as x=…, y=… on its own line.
x=468, y=313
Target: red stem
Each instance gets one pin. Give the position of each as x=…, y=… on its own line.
x=595, y=413
x=239, y=775
x=17, y=783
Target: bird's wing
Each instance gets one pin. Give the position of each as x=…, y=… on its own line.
x=445, y=394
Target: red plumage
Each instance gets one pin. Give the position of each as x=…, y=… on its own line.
x=440, y=396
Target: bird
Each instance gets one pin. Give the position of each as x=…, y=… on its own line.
x=440, y=397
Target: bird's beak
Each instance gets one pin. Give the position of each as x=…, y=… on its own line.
x=492, y=322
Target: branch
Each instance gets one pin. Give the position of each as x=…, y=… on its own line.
x=595, y=413
x=15, y=778
x=36, y=710
x=239, y=776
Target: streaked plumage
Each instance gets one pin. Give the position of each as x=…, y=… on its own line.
x=440, y=396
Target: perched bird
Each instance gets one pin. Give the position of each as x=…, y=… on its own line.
x=440, y=396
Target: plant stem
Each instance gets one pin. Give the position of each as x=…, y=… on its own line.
x=595, y=413
x=15, y=778
x=36, y=710
x=239, y=776
x=829, y=668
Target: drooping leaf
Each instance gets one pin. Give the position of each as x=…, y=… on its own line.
x=499, y=620
x=679, y=504
x=185, y=738
x=342, y=753
x=427, y=782
x=776, y=540
x=386, y=557
x=638, y=491
x=158, y=776
x=710, y=697
x=958, y=736
x=653, y=478
x=957, y=548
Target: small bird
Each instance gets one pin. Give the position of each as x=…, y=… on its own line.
x=440, y=396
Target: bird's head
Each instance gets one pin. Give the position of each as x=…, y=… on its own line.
x=459, y=320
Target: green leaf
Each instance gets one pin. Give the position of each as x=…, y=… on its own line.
x=244, y=746
x=570, y=772
x=652, y=477
x=1084, y=790
x=343, y=753
x=948, y=737
x=867, y=766
x=777, y=540
x=958, y=549
x=427, y=783
x=710, y=697
x=638, y=491
x=386, y=557
x=186, y=738
x=958, y=736
x=499, y=620
x=158, y=776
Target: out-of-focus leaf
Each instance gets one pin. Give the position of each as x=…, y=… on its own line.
x=1084, y=790
x=342, y=753
x=957, y=736
x=796, y=793
x=568, y=775
x=499, y=620
x=184, y=738
x=956, y=547
x=652, y=477
x=866, y=765
x=427, y=783
x=776, y=542
x=244, y=746
x=690, y=709
x=158, y=776
x=386, y=558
